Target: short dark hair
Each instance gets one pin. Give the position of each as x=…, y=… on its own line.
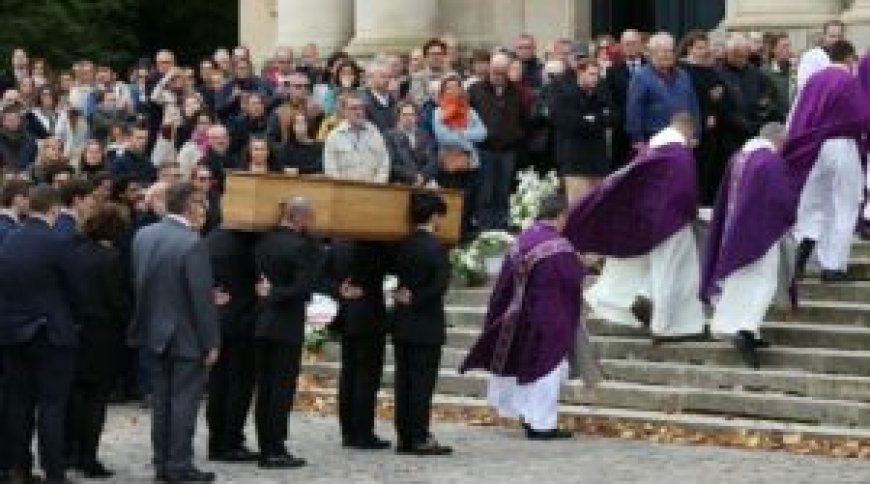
x=43, y=198
x=841, y=51
x=436, y=42
x=551, y=206
x=11, y=189
x=832, y=23
x=57, y=169
x=401, y=105
x=425, y=205
x=691, y=39
x=480, y=55
x=108, y=222
x=178, y=197
x=75, y=188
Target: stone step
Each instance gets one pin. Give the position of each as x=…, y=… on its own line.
x=820, y=312
x=712, y=424
x=795, y=335
x=826, y=312
x=815, y=290
x=714, y=353
x=665, y=398
x=790, y=382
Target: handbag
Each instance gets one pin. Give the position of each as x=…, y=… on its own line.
x=455, y=160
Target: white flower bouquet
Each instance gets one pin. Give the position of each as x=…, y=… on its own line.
x=479, y=260
x=531, y=188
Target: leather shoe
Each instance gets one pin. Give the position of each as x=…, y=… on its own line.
x=234, y=455
x=371, y=443
x=191, y=475
x=281, y=462
x=746, y=344
x=95, y=470
x=642, y=310
x=554, y=434
x=834, y=276
x=431, y=448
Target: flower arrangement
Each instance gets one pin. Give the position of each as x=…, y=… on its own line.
x=530, y=189
x=480, y=259
x=319, y=312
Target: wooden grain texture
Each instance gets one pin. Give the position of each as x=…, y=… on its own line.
x=345, y=209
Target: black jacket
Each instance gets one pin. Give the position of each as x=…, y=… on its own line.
x=235, y=272
x=218, y=164
x=102, y=311
x=423, y=267
x=305, y=157
x=504, y=116
x=406, y=161
x=293, y=263
x=36, y=283
x=382, y=116
x=365, y=264
x=580, y=120
x=616, y=83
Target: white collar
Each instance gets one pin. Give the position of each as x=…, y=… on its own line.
x=180, y=219
x=756, y=144
x=668, y=136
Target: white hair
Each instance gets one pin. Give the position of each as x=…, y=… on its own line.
x=661, y=40
x=773, y=132
x=738, y=41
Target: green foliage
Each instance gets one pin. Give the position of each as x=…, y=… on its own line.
x=115, y=32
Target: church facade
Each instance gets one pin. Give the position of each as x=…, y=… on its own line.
x=369, y=26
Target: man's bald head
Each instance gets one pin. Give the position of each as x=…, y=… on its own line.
x=297, y=213
x=632, y=43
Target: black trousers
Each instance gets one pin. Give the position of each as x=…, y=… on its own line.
x=416, y=375
x=39, y=377
x=277, y=371
x=4, y=428
x=230, y=390
x=362, y=364
x=87, y=416
x=177, y=390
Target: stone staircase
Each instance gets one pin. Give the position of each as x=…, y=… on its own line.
x=814, y=380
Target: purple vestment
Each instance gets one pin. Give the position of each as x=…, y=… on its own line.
x=637, y=208
x=754, y=210
x=530, y=330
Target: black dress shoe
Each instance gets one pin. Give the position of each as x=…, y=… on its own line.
x=371, y=443
x=834, y=276
x=282, y=462
x=804, y=251
x=235, y=455
x=746, y=344
x=15, y=476
x=192, y=475
x=96, y=470
x=554, y=434
x=642, y=310
x=428, y=449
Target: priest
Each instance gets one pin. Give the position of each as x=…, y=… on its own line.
x=746, y=259
x=641, y=219
x=533, y=325
x=831, y=198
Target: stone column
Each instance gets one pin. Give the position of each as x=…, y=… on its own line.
x=772, y=14
x=857, y=18
x=393, y=26
x=329, y=23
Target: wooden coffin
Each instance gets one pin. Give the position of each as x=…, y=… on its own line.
x=344, y=209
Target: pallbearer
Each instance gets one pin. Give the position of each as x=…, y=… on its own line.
x=641, y=218
x=745, y=260
x=532, y=326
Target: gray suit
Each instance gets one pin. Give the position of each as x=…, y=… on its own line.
x=175, y=320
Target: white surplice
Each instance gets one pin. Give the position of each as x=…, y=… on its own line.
x=831, y=202
x=669, y=276
x=536, y=403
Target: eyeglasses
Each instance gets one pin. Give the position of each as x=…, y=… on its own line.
x=203, y=178
x=300, y=86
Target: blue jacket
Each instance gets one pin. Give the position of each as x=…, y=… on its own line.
x=37, y=283
x=474, y=133
x=652, y=101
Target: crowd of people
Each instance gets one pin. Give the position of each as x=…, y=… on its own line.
x=111, y=179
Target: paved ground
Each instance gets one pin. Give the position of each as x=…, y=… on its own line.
x=488, y=455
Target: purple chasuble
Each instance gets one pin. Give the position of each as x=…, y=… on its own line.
x=639, y=207
x=754, y=210
x=534, y=310
x=831, y=105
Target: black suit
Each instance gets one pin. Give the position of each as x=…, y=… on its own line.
x=231, y=381
x=617, y=81
x=363, y=327
x=8, y=225
x=102, y=312
x=407, y=162
x=38, y=330
x=423, y=267
x=292, y=262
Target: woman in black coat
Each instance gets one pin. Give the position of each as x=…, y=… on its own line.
x=581, y=113
x=102, y=311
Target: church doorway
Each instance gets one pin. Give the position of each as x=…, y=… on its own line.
x=674, y=16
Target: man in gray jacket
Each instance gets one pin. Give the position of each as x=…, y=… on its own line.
x=176, y=320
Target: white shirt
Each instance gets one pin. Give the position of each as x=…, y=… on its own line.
x=180, y=219
x=813, y=61
x=668, y=136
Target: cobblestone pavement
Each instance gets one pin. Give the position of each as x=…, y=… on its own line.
x=485, y=455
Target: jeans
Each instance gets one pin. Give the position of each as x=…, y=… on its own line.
x=493, y=198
